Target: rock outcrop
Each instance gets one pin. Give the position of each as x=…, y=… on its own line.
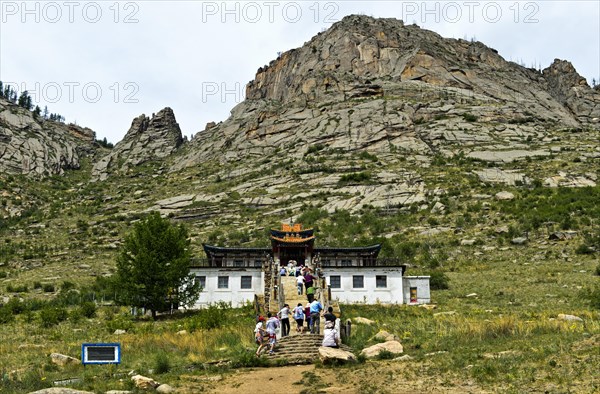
x=573, y=91
x=383, y=86
x=147, y=139
x=36, y=147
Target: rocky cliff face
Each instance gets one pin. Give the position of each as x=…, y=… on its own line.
x=37, y=148
x=147, y=139
x=381, y=85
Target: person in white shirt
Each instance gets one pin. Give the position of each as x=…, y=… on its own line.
x=331, y=337
x=300, y=281
x=284, y=316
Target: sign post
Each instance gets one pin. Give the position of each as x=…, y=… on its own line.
x=100, y=353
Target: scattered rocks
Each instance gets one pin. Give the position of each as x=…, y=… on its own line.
x=562, y=235
x=362, y=320
x=329, y=355
x=385, y=336
x=471, y=295
x=565, y=317
x=467, y=242
x=496, y=175
x=118, y=392
x=142, y=382
x=518, y=241
x=165, y=389
x=61, y=359
x=406, y=357
x=503, y=354
x=119, y=332
x=60, y=390
x=394, y=347
x=504, y=196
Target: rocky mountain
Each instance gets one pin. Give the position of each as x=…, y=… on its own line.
x=148, y=138
x=38, y=148
x=396, y=126
x=380, y=85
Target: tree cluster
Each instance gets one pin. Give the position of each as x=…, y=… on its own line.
x=24, y=100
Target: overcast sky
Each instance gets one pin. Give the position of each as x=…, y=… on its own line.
x=100, y=64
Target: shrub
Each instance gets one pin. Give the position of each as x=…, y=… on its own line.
x=17, y=289
x=66, y=285
x=594, y=297
x=15, y=306
x=597, y=270
x=355, y=177
x=470, y=117
x=385, y=355
x=37, y=285
x=438, y=280
x=48, y=287
x=51, y=316
x=6, y=315
x=88, y=309
x=209, y=318
x=162, y=363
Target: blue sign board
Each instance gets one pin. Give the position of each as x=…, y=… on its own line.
x=101, y=353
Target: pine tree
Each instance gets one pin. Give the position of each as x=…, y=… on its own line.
x=153, y=266
x=45, y=113
x=37, y=111
x=1, y=89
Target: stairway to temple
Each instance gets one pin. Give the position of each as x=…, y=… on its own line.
x=290, y=291
x=299, y=349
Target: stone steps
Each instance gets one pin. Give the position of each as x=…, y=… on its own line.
x=299, y=349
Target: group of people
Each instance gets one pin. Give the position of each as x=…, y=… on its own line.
x=311, y=314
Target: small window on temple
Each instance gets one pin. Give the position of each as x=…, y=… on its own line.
x=346, y=263
x=246, y=282
x=358, y=281
x=258, y=263
x=335, y=281
x=201, y=280
x=381, y=281
x=223, y=282
x=238, y=263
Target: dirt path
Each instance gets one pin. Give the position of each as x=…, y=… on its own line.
x=369, y=378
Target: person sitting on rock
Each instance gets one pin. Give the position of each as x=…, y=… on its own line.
x=331, y=337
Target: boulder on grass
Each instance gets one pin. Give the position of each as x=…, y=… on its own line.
x=142, y=382
x=385, y=336
x=61, y=359
x=363, y=320
x=330, y=354
x=394, y=347
x=165, y=389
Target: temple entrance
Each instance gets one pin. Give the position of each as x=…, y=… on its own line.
x=292, y=242
x=296, y=254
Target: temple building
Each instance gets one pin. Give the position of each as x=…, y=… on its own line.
x=346, y=274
